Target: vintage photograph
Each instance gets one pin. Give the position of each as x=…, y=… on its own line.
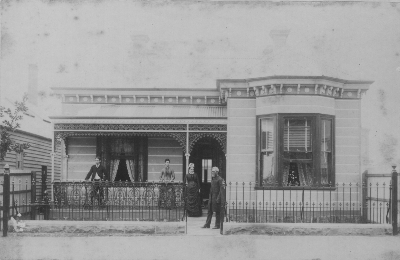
x=199, y=129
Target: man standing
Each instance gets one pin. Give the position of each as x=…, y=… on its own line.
x=97, y=173
x=217, y=196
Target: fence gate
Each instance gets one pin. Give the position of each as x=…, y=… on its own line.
x=381, y=191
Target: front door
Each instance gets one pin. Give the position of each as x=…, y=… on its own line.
x=206, y=154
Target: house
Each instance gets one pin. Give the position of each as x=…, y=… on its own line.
x=276, y=131
x=37, y=162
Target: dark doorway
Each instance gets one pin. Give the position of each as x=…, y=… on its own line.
x=206, y=154
x=122, y=172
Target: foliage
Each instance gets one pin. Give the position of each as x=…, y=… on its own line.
x=9, y=125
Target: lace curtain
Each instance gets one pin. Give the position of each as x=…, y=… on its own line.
x=113, y=169
x=121, y=145
x=130, y=167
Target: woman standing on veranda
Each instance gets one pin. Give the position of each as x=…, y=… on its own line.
x=193, y=193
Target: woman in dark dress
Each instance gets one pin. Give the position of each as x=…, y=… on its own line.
x=193, y=193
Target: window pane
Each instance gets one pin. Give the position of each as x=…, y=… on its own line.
x=297, y=153
x=206, y=170
x=209, y=166
x=326, y=150
x=267, y=151
x=297, y=135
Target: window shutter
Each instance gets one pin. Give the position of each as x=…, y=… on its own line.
x=266, y=141
x=297, y=135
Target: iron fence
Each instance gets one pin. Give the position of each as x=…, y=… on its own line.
x=107, y=201
x=140, y=201
x=339, y=203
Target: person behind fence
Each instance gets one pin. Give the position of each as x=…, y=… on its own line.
x=193, y=193
x=167, y=191
x=97, y=173
x=216, y=197
x=15, y=223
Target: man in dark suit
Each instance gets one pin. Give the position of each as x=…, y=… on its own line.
x=216, y=198
x=96, y=174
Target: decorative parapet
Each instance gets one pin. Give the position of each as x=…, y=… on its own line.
x=293, y=85
x=121, y=127
x=209, y=97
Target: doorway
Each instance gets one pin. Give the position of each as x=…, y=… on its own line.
x=207, y=153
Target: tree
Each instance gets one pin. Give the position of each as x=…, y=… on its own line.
x=10, y=125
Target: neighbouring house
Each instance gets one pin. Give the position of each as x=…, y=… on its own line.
x=35, y=163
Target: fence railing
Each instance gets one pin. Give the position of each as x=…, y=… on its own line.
x=108, y=201
x=151, y=201
x=20, y=190
x=368, y=202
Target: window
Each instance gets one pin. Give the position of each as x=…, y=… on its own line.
x=296, y=150
x=206, y=170
x=20, y=160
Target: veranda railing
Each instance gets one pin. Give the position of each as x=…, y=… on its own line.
x=108, y=201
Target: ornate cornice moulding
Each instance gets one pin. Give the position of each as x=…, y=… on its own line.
x=293, y=85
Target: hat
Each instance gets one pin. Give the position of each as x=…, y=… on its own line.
x=215, y=169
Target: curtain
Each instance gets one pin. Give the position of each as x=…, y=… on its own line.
x=129, y=166
x=114, y=169
x=121, y=145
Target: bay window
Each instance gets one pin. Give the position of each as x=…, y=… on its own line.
x=295, y=150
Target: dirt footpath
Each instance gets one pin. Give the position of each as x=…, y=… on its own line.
x=202, y=247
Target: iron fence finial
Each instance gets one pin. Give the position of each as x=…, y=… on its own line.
x=7, y=169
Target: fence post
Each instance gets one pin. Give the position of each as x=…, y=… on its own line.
x=222, y=209
x=364, y=196
x=6, y=199
x=33, y=195
x=394, y=200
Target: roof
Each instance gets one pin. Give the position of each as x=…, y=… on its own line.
x=34, y=121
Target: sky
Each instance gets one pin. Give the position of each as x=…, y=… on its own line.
x=191, y=44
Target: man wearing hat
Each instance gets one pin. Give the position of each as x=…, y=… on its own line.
x=217, y=196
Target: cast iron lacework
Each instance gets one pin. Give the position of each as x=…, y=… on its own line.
x=180, y=137
x=203, y=127
x=165, y=127
x=220, y=137
x=120, y=197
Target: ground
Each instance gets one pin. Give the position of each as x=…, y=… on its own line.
x=213, y=246
x=198, y=244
